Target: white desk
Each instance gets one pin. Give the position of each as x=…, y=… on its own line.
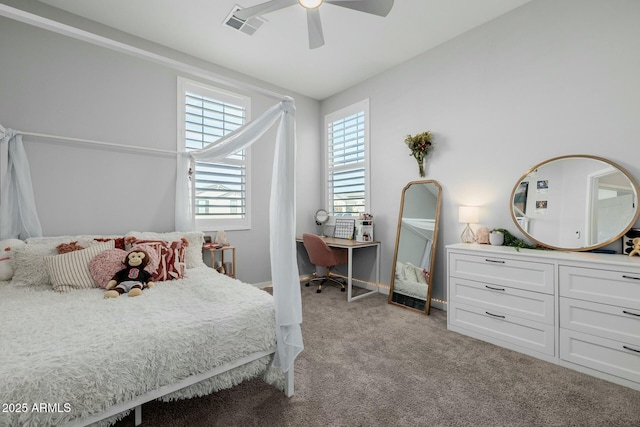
x=350, y=245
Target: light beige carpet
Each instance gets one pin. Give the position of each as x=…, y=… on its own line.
x=368, y=363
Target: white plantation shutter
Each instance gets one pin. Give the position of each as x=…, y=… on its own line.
x=221, y=188
x=347, y=160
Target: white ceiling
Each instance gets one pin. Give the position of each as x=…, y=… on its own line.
x=357, y=45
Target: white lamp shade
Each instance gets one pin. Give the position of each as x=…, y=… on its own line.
x=468, y=214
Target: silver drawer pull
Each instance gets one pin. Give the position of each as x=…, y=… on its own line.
x=502, y=289
x=495, y=315
x=629, y=348
x=630, y=313
x=630, y=277
x=497, y=261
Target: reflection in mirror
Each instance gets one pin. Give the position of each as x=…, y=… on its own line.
x=575, y=203
x=412, y=271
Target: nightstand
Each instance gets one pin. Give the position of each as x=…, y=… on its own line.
x=222, y=254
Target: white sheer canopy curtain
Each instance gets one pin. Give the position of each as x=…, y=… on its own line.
x=18, y=215
x=284, y=267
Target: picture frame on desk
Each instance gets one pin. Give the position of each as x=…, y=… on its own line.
x=344, y=228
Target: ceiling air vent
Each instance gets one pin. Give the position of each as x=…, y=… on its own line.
x=249, y=26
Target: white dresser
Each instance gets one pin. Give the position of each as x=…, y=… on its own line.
x=580, y=310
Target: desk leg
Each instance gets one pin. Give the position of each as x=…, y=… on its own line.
x=378, y=263
x=349, y=274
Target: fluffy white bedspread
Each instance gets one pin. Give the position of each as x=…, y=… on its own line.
x=413, y=289
x=81, y=352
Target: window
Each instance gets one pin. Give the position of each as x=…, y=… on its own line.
x=205, y=114
x=347, y=167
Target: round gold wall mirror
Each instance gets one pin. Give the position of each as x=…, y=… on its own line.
x=575, y=203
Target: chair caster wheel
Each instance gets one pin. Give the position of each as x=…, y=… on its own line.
x=318, y=291
x=343, y=290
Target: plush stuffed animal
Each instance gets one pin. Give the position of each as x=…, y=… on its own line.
x=636, y=247
x=133, y=278
x=6, y=248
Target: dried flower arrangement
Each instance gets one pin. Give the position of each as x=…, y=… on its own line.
x=420, y=145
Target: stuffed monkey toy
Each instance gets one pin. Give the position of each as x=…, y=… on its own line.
x=133, y=278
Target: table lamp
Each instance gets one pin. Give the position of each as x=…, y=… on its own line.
x=468, y=215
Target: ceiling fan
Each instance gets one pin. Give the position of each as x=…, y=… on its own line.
x=316, y=37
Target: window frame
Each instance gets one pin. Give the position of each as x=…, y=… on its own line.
x=202, y=89
x=358, y=107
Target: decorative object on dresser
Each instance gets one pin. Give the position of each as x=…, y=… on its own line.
x=420, y=145
x=496, y=238
x=509, y=298
x=414, y=257
x=509, y=239
x=482, y=235
x=575, y=203
x=627, y=240
x=636, y=247
x=468, y=215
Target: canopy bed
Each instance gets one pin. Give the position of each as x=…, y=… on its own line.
x=188, y=337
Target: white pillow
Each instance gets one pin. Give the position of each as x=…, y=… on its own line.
x=71, y=270
x=56, y=240
x=400, y=271
x=193, y=252
x=28, y=265
x=421, y=276
x=410, y=273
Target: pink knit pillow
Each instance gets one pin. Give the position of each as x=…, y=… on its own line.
x=104, y=265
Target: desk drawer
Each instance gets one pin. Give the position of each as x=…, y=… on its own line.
x=502, y=326
x=604, y=355
x=601, y=286
x=527, y=275
x=607, y=321
x=516, y=302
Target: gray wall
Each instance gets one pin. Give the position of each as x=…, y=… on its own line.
x=57, y=85
x=550, y=78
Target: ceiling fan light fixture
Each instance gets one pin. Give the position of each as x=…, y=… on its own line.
x=310, y=4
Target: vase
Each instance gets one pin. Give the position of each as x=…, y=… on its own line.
x=496, y=238
x=421, y=166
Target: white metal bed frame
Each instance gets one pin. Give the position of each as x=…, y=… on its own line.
x=136, y=403
x=57, y=27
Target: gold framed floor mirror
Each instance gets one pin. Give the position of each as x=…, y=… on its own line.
x=416, y=242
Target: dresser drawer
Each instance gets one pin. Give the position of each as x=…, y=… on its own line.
x=502, y=326
x=607, y=321
x=515, y=302
x=527, y=275
x=602, y=286
x=604, y=355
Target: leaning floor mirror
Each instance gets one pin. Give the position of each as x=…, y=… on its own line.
x=414, y=258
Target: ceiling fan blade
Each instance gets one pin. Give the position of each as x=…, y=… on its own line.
x=316, y=38
x=375, y=7
x=263, y=8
